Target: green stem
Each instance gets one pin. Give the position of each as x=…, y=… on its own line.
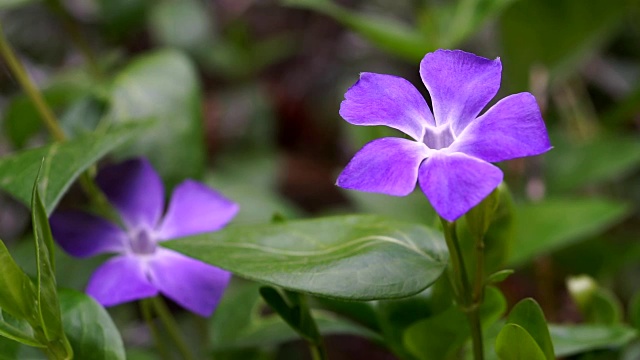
x=75, y=34
x=465, y=297
x=478, y=286
x=146, y=309
x=30, y=89
x=172, y=327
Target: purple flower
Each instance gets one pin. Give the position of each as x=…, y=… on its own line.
x=451, y=150
x=143, y=269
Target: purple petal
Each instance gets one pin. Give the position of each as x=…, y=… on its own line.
x=378, y=99
x=387, y=165
x=454, y=183
x=512, y=128
x=460, y=84
x=82, y=234
x=136, y=190
x=194, y=285
x=120, y=280
x=196, y=208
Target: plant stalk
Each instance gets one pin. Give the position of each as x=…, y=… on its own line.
x=465, y=294
x=172, y=327
x=147, y=314
x=30, y=89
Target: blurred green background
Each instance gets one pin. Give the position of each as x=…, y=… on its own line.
x=245, y=96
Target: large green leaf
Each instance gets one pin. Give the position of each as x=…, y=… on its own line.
x=571, y=166
x=164, y=86
x=574, y=339
x=18, y=330
x=351, y=257
x=48, y=305
x=528, y=314
x=17, y=293
x=515, y=343
x=90, y=330
x=63, y=163
x=555, y=223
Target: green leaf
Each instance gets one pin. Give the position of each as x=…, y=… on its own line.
x=350, y=257
x=385, y=32
x=515, y=343
x=528, y=314
x=18, y=330
x=90, y=330
x=571, y=166
x=481, y=216
x=575, y=339
x=64, y=162
x=185, y=24
x=48, y=305
x=556, y=223
x=17, y=293
x=499, y=276
x=163, y=85
x=634, y=310
x=291, y=311
x=439, y=336
x=559, y=34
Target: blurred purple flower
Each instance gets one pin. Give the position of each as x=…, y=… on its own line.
x=143, y=269
x=451, y=150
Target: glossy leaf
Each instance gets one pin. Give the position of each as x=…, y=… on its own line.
x=528, y=314
x=163, y=86
x=440, y=336
x=515, y=343
x=575, y=339
x=499, y=276
x=90, y=330
x=556, y=223
x=63, y=163
x=17, y=293
x=350, y=257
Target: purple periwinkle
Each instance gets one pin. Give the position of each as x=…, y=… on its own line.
x=451, y=150
x=141, y=268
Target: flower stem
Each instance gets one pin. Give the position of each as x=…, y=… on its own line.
x=30, y=89
x=462, y=288
x=146, y=309
x=172, y=327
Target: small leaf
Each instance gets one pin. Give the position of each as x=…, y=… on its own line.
x=515, y=343
x=358, y=257
x=17, y=293
x=499, y=276
x=528, y=314
x=64, y=162
x=555, y=223
x=575, y=339
x=90, y=330
x=634, y=310
x=48, y=305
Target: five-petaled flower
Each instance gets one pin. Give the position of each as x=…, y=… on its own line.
x=451, y=150
x=143, y=269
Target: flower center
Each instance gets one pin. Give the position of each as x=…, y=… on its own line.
x=142, y=243
x=440, y=137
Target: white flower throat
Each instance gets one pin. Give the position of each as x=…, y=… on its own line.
x=439, y=137
x=142, y=242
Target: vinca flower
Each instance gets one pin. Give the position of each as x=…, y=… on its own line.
x=141, y=268
x=450, y=151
